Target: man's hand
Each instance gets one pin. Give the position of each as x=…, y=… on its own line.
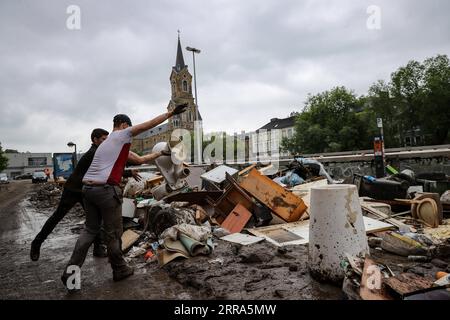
x=135, y=174
x=179, y=109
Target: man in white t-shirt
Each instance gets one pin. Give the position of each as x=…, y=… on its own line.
x=102, y=195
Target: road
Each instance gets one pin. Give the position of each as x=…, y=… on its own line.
x=21, y=278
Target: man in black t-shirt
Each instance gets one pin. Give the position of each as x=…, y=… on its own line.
x=71, y=195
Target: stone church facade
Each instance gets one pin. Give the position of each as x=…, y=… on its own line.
x=181, y=88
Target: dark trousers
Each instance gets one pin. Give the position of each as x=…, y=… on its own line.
x=101, y=203
x=68, y=200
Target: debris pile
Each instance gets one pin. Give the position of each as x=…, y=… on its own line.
x=385, y=238
x=198, y=211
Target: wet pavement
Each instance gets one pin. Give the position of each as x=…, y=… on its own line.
x=21, y=278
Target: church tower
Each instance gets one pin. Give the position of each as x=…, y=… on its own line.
x=181, y=84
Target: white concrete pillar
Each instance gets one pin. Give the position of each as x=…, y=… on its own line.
x=336, y=227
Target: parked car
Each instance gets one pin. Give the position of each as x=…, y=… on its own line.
x=39, y=176
x=24, y=176
x=3, y=178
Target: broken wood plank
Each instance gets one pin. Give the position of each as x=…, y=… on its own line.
x=246, y=170
x=387, y=218
x=237, y=219
x=407, y=283
x=282, y=202
x=129, y=237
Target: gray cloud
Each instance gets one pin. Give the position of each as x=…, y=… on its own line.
x=259, y=59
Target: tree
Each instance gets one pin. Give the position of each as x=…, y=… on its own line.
x=3, y=160
x=436, y=117
x=330, y=121
x=417, y=96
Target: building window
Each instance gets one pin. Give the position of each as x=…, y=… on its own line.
x=37, y=161
x=185, y=86
x=290, y=133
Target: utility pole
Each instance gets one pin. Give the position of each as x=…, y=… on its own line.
x=198, y=124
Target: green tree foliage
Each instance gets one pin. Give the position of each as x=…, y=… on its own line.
x=331, y=121
x=3, y=160
x=417, y=96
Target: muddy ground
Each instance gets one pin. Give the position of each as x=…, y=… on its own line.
x=260, y=271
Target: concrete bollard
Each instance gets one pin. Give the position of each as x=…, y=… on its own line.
x=336, y=227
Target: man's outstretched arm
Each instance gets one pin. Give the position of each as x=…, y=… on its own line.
x=137, y=159
x=137, y=129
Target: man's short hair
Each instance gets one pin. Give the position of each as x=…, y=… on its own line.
x=98, y=133
x=121, y=118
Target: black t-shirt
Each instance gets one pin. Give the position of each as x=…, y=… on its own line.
x=74, y=183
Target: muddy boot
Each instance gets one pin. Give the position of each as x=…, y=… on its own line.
x=35, y=250
x=123, y=273
x=65, y=276
x=100, y=251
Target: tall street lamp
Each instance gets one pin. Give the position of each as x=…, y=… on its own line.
x=197, y=113
x=75, y=161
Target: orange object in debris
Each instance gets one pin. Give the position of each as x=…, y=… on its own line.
x=441, y=274
x=282, y=202
x=148, y=255
x=237, y=219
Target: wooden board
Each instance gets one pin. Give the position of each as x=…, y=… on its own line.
x=407, y=283
x=129, y=237
x=282, y=202
x=237, y=219
x=379, y=214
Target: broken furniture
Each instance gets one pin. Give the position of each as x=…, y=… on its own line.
x=216, y=177
x=282, y=202
x=237, y=219
x=232, y=196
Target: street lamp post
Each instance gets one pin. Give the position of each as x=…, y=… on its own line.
x=197, y=113
x=71, y=144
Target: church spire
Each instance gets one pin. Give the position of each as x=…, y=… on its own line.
x=179, y=64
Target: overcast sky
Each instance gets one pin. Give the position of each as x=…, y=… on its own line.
x=259, y=59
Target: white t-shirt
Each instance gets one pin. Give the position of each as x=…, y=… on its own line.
x=110, y=158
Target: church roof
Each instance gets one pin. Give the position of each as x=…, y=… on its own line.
x=179, y=63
